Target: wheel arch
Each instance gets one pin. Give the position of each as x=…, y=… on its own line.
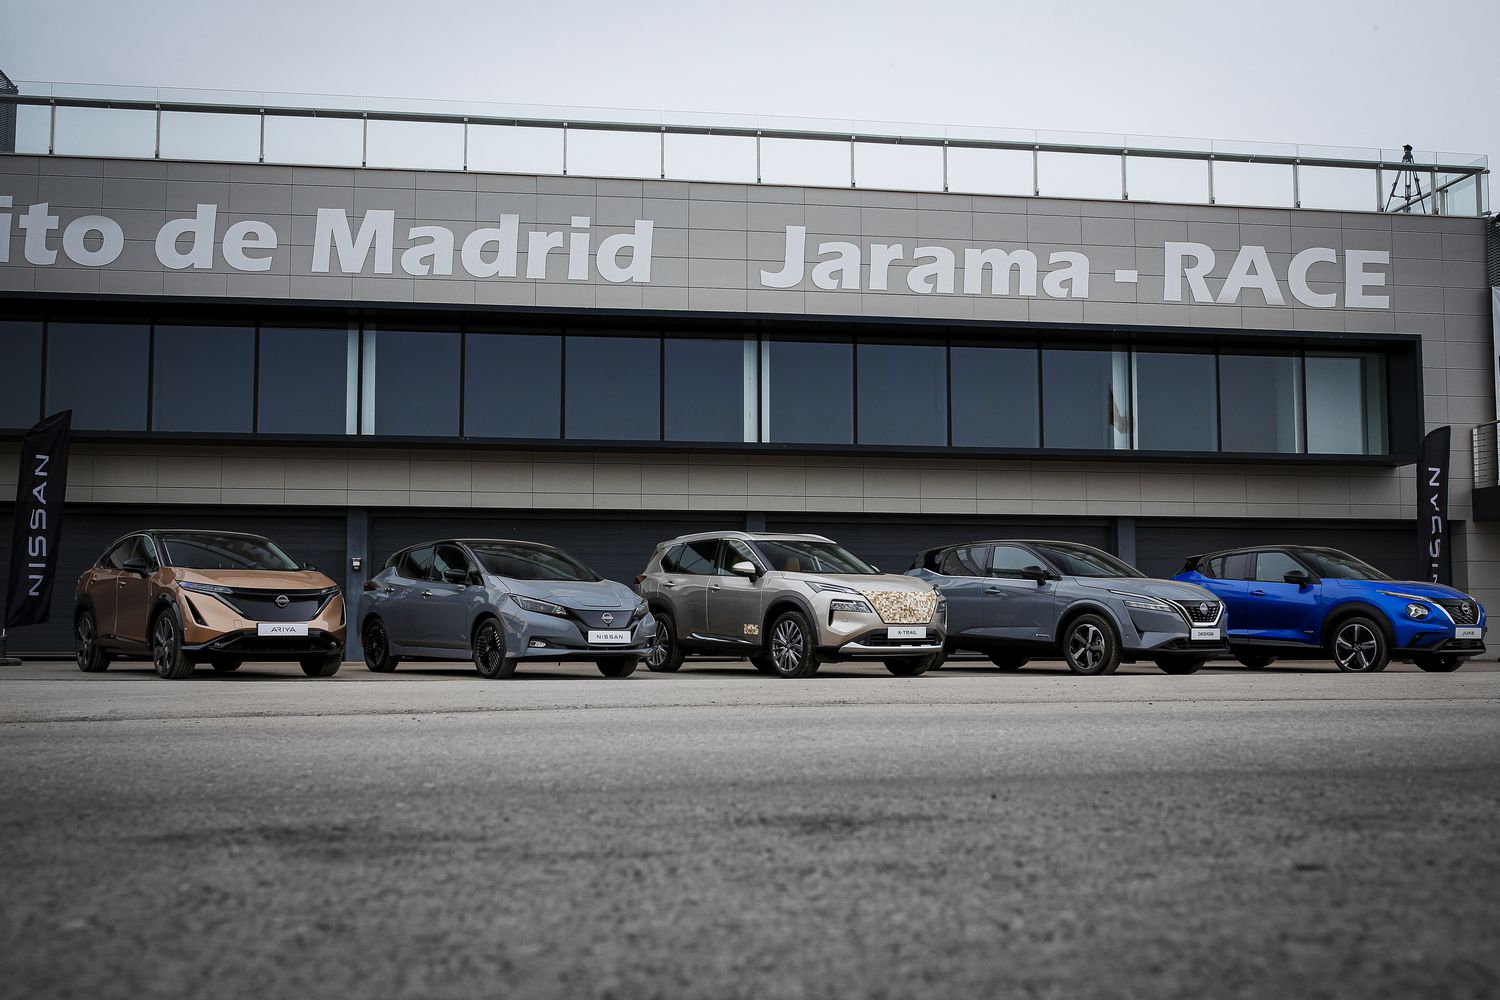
x=1340, y=613
x=482, y=616
x=1083, y=607
x=780, y=606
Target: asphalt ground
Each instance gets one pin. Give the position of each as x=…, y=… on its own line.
x=1290, y=831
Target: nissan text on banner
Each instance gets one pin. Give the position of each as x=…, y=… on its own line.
x=41, y=485
x=1432, y=507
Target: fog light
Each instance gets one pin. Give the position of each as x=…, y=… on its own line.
x=537, y=644
x=1416, y=611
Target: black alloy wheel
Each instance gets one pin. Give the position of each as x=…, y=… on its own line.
x=664, y=655
x=91, y=659
x=1359, y=646
x=490, y=657
x=1090, y=646
x=166, y=648
x=791, y=646
x=378, y=648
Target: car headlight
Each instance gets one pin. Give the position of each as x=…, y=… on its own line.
x=852, y=606
x=820, y=588
x=1142, y=602
x=1417, y=611
x=540, y=607
x=205, y=588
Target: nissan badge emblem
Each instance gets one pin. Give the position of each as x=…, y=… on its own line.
x=607, y=618
x=282, y=600
x=1203, y=608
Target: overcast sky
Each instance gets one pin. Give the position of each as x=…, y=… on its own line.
x=1351, y=72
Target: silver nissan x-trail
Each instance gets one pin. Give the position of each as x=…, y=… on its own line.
x=788, y=602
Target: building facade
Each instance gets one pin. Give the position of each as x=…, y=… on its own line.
x=351, y=359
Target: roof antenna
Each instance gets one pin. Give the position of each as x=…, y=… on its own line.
x=1407, y=177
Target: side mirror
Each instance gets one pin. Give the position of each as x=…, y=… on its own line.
x=1037, y=574
x=455, y=575
x=1297, y=576
x=476, y=579
x=137, y=565
x=311, y=567
x=744, y=568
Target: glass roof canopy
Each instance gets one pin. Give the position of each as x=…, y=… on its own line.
x=312, y=129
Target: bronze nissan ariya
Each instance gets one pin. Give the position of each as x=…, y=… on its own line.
x=216, y=597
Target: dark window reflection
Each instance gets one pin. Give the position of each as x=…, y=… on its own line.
x=204, y=379
x=705, y=390
x=811, y=392
x=512, y=385
x=415, y=376
x=304, y=381
x=20, y=373
x=99, y=371
x=1260, y=403
x=903, y=394
x=1176, y=402
x=1085, y=400
x=614, y=388
x=995, y=397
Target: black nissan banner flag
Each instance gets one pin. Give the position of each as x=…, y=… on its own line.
x=41, y=484
x=1432, y=507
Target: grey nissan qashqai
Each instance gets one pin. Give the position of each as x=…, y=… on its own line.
x=788, y=603
x=1012, y=600
x=499, y=602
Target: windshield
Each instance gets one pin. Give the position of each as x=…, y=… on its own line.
x=1331, y=564
x=796, y=556
x=210, y=550
x=1084, y=560
x=530, y=562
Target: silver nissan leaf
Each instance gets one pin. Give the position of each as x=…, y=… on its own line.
x=499, y=602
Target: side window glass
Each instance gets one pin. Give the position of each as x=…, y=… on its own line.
x=117, y=555
x=962, y=562
x=1214, y=568
x=730, y=553
x=1007, y=561
x=698, y=557
x=148, y=550
x=1239, y=567
x=446, y=557
x=671, y=560
x=416, y=564
x=1270, y=567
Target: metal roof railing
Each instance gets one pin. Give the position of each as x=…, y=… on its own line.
x=71, y=119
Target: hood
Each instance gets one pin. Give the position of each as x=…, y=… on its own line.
x=257, y=579
x=867, y=584
x=1167, y=590
x=601, y=594
x=1416, y=588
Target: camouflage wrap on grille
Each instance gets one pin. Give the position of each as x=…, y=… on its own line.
x=902, y=607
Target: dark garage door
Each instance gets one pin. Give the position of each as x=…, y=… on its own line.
x=1163, y=546
x=306, y=537
x=892, y=543
x=616, y=546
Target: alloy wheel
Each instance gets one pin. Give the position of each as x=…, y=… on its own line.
x=489, y=651
x=86, y=639
x=1355, y=647
x=787, y=646
x=375, y=641
x=1086, y=646
x=164, y=645
x=656, y=653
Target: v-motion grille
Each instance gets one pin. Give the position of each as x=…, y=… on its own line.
x=1200, y=612
x=263, y=605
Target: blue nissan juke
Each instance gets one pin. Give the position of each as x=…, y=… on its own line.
x=1301, y=600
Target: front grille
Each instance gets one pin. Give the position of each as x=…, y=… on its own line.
x=1200, y=612
x=881, y=639
x=261, y=606
x=902, y=607
x=591, y=618
x=1462, y=612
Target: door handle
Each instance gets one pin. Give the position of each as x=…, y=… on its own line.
x=993, y=590
x=119, y=583
x=716, y=587
x=1257, y=593
x=389, y=590
x=426, y=593
x=669, y=584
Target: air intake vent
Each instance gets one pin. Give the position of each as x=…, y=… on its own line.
x=1493, y=241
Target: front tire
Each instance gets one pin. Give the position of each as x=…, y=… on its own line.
x=1173, y=665
x=1091, y=647
x=664, y=655
x=1009, y=661
x=1438, y=663
x=378, y=647
x=321, y=666
x=91, y=659
x=491, y=658
x=617, y=666
x=792, y=653
x=1254, y=658
x=166, y=648
x=1359, y=646
x=762, y=663
x=911, y=666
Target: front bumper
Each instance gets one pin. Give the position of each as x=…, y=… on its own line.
x=1160, y=634
x=530, y=635
x=211, y=627
x=247, y=645
x=846, y=634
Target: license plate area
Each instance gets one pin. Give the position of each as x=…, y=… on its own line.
x=906, y=632
x=1468, y=632
x=281, y=628
x=1206, y=635
x=609, y=637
